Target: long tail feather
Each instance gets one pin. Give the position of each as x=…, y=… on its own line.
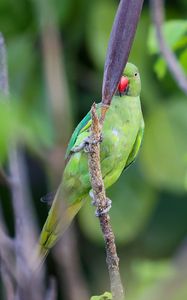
x=59, y=219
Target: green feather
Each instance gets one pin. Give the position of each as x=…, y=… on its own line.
x=81, y=126
x=136, y=147
x=122, y=136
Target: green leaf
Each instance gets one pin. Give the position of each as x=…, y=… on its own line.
x=146, y=275
x=173, y=31
x=183, y=60
x=98, y=31
x=105, y=296
x=160, y=68
x=165, y=144
x=185, y=181
x=150, y=271
x=21, y=126
x=21, y=62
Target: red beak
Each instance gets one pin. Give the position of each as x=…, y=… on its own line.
x=123, y=84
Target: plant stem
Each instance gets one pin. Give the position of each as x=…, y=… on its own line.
x=101, y=204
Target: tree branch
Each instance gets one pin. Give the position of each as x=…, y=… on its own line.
x=101, y=204
x=157, y=11
x=119, y=46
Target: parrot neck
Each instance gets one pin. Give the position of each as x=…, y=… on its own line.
x=127, y=101
x=125, y=105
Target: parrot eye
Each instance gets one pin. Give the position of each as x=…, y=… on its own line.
x=135, y=74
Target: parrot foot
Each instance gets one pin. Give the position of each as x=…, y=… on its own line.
x=99, y=211
x=85, y=145
x=82, y=146
x=89, y=142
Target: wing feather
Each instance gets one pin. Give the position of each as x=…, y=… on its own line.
x=83, y=125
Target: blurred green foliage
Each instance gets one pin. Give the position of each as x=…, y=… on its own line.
x=105, y=296
x=174, y=32
x=149, y=200
x=23, y=127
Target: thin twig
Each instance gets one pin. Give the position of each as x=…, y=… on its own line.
x=157, y=11
x=101, y=204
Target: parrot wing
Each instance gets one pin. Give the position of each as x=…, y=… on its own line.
x=135, y=148
x=61, y=216
x=83, y=125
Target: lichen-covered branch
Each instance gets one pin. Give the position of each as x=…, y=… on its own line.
x=101, y=204
x=121, y=39
x=157, y=11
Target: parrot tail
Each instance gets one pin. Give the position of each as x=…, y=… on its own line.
x=58, y=220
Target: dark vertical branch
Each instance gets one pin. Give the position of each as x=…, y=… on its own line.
x=120, y=43
x=157, y=12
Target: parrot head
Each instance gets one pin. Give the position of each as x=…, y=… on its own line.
x=130, y=83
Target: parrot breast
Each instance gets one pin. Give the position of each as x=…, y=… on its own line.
x=120, y=130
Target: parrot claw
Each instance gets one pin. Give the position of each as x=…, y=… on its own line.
x=99, y=140
x=101, y=212
x=85, y=145
x=88, y=141
x=82, y=146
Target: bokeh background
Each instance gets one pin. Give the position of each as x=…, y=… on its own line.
x=56, y=52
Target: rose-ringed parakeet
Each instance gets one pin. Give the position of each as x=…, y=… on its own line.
x=122, y=135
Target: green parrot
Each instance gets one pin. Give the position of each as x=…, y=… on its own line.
x=122, y=136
